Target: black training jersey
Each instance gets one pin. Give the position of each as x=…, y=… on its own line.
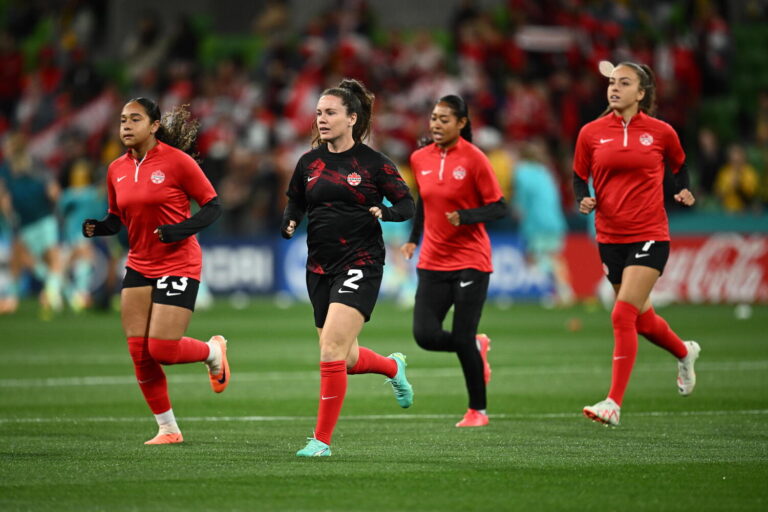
x=336, y=190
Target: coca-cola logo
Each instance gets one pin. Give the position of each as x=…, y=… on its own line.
x=722, y=268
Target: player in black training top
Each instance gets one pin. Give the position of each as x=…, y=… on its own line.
x=340, y=185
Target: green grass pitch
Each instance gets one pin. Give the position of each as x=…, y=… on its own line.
x=73, y=423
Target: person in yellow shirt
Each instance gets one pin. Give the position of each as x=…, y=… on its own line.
x=737, y=181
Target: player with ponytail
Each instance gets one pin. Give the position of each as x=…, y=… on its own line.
x=340, y=185
x=458, y=194
x=625, y=152
x=149, y=190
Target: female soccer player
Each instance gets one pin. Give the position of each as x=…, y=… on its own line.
x=148, y=191
x=340, y=185
x=625, y=152
x=458, y=193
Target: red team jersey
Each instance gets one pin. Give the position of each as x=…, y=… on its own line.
x=457, y=179
x=155, y=191
x=627, y=164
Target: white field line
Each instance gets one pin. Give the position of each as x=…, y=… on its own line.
x=375, y=417
x=543, y=371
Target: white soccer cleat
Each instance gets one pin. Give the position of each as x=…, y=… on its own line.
x=606, y=412
x=686, y=377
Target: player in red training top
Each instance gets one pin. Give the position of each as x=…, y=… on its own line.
x=340, y=186
x=458, y=193
x=625, y=152
x=149, y=190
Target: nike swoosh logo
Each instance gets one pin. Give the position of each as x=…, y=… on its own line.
x=603, y=141
x=641, y=255
x=121, y=178
x=223, y=378
x=464, y=284
x=619, y=357
x=328, y=397
x=344, y=291
x=171, y=294
x=424, y=173
x=312, y=178
x=143, y=381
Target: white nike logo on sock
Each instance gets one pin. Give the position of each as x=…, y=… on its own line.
x=328, y=397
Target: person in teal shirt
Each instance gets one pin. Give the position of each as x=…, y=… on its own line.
x=80, y=199
x=536, y=198
x=27, y=200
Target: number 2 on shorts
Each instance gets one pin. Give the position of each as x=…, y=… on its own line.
x=355, y=274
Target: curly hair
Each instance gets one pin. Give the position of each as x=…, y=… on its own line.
x=177, y=128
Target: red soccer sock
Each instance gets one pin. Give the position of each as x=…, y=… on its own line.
x=333, y=388
x=149, y=375
x=658, y=332
x=370, y=362
x=184, y=350
x=624, y=318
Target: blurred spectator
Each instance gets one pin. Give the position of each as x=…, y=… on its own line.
x=11, y=72
x=710, y=159
x=715, y=43
x=81, y=77
x=146, y=46
x=27, y=198
x=536, y=200
x=491, y=142
x=184, y=43
x=737, y=181
x=80, y=199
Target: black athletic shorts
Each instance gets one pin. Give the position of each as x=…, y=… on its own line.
x=170, y=290
x=356, y=287
x=466, y=285
x=616, y=257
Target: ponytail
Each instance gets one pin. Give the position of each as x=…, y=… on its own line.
x=177, y=128
x=648, y=84
x=356, y=99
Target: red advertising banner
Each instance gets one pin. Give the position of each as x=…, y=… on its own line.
x=717, y=268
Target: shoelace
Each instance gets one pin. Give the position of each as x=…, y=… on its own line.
x=400, y=392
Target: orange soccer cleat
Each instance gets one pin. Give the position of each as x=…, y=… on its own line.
x=473, y=418
x=172, y=438
x=220, y=379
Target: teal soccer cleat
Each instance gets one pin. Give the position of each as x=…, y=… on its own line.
x=400, y=385
x=314, y=448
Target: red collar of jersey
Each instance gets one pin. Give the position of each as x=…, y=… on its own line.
x=456, y=147
x=617, y=119
x=154, y=150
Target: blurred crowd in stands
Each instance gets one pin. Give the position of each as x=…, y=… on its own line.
x=528, y=69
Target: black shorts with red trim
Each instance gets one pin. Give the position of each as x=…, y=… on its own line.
x=171, y=290
x=616, y=257
x=356, y=287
